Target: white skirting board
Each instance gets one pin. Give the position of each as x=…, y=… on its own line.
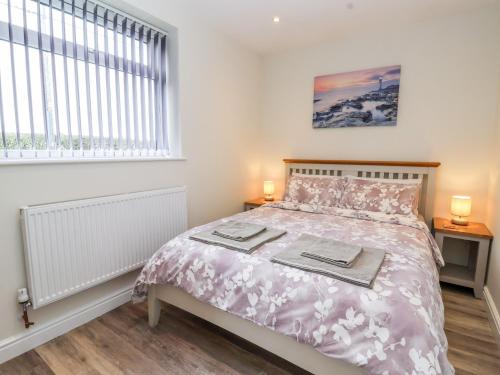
x=40, y=334
x=493, y=314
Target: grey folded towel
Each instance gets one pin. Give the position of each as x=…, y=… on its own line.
x=331, y=251
x=362, y=273
x=237, y=230
x=247, y=246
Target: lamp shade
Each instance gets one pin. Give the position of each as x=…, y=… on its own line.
x=461, y=205
x=268, y=190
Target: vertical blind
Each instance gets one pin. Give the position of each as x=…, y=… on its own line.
x=79, y=80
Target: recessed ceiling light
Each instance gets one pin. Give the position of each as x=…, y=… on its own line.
x=276, y=19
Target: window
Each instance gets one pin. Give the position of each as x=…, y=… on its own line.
x=79, y=80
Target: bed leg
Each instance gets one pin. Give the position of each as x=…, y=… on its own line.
x=154, y=308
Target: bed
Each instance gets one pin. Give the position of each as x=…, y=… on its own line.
x=320, y=324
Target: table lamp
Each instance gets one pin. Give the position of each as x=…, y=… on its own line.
x=460, y=209
x=268, y=190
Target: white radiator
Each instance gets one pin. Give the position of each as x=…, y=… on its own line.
x=71, y=246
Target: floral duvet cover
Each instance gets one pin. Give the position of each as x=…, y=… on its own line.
x=397, y=327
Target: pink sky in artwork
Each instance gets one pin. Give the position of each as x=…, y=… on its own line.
x=359, y=78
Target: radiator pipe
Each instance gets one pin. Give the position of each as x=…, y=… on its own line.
x=24, y=300
x=27, y=322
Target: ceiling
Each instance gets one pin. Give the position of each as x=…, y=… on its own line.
x=305, y=22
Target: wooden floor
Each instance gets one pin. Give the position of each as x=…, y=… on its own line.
x=121, y=342
x=472, y=347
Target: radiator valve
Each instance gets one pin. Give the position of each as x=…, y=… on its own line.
x=24, y=300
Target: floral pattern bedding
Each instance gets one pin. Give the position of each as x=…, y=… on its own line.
x=314, y=189
x=397, y=327
x=381, y=196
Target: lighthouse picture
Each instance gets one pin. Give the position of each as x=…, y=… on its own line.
x=367, y=97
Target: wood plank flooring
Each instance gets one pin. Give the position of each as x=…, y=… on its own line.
x=121, y=342
x=472, y=346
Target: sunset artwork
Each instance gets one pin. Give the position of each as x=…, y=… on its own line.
x=362, y=98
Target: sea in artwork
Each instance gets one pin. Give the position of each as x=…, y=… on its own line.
x=363, y=98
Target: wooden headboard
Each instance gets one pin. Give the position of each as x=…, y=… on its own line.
x=398, y=170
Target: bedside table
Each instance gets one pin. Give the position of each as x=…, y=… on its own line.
x=479, y=239
x=254, y=203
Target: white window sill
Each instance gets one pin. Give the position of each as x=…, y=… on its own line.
x=89, y=160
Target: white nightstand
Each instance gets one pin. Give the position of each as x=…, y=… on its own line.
x=478, y=238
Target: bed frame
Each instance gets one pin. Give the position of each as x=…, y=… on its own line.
x=302, y=355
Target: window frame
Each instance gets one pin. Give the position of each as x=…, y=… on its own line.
x=170, y=64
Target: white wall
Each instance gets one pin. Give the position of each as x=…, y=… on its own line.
x=493, y=278
x=219, y=100
x=446, y=109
